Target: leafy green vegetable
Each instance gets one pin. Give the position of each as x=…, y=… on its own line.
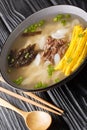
x=18, y=81
x=40, y=85
x=50, y=70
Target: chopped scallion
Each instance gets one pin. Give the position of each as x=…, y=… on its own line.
x=69, y=44
x=26, y=55
x=26, y=30
x=55, y=19
x=41, y=23
x=69, y=60
x=81, y=35
x=33, y=27
x=57, y=80
x=50, y=70
x=8, y=57
x=67, y=15
x=9, y=71
x=40, y=85
x=63, y=22
x=60, y=16
x=18, y=81
x=12, y=60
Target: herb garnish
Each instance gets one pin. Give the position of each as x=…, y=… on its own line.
x=67, y=15
x=18, y=81
x=62, y=18
x=33, y=27
x=9, y=71
x=69, y=60
x=40, y=85
x=50, y=70
x=63, y=22
x=57, y=80
x=27, y=55
x=81, y=35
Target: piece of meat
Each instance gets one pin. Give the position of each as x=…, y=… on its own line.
x=32, y=33
x=52, y=47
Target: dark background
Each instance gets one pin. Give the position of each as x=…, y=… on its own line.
x=72, y=96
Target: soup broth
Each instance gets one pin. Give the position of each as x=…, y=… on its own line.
x=52, y=40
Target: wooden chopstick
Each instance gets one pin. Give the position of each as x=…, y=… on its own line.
x=28, y=100
x=43, y=101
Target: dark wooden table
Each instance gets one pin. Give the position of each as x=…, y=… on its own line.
x=72, y=96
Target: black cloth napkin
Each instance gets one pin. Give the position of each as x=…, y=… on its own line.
x=72, y=96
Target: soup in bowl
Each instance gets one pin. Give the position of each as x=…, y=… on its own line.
x=47, y=51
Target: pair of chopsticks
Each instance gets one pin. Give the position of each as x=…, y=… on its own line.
x=48, y=106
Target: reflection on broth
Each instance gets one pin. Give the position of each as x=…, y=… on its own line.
x=47, y=52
